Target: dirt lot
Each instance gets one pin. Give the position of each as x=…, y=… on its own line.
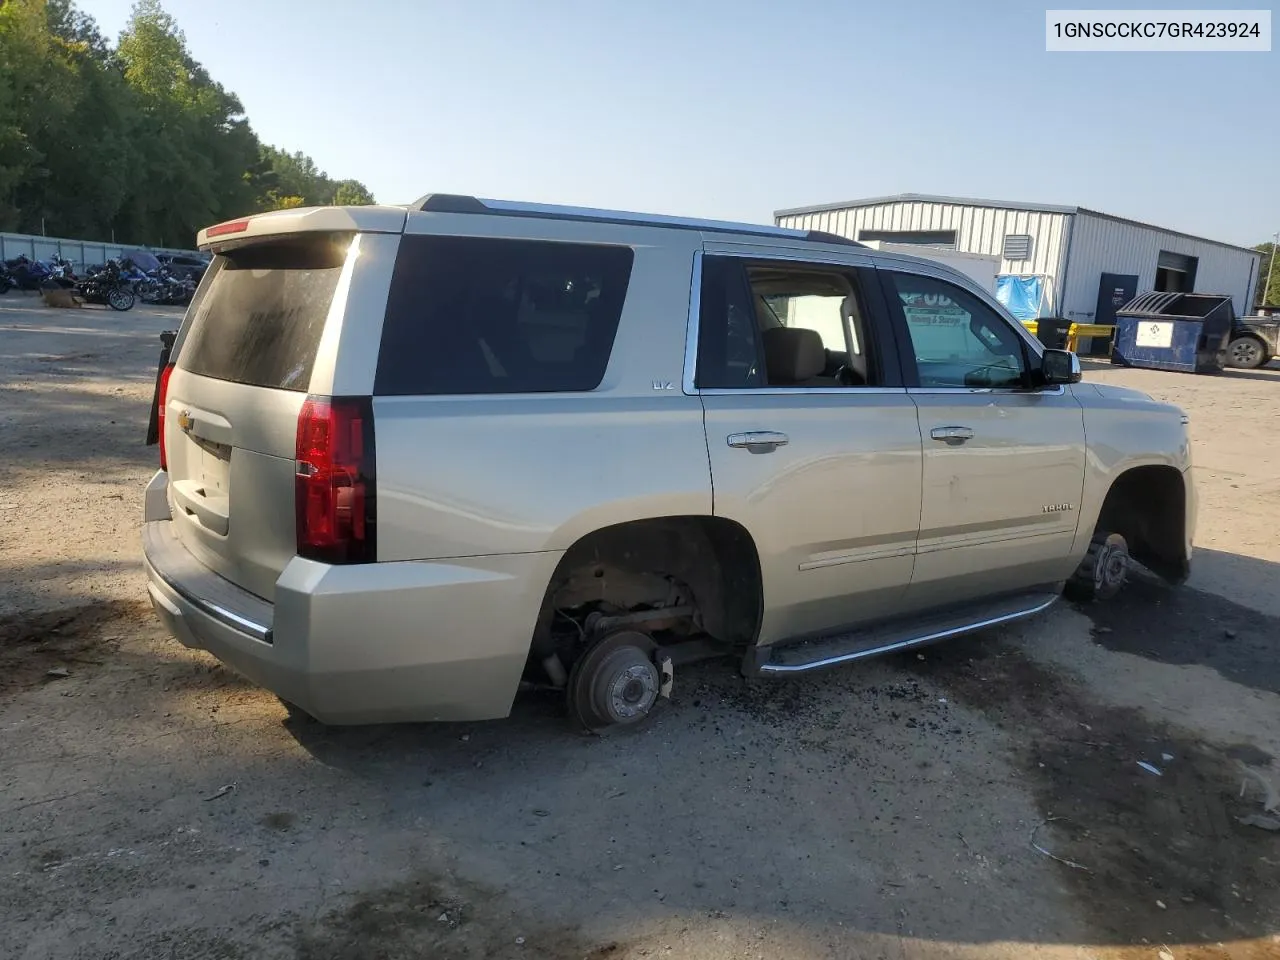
x=983, y=799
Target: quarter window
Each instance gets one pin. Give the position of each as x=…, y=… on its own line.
x=957, y=340
x=469, y=316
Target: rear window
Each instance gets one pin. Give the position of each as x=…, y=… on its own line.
x=259, y=319
x=469, y=315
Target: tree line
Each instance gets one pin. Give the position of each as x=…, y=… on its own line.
x=132, y=143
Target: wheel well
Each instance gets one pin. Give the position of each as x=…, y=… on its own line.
x=1147, y=506
x=707, y=563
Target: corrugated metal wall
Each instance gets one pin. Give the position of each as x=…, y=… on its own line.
x=978, y=230
x=1097, y=245
x=81, y=253
x=1101, y=245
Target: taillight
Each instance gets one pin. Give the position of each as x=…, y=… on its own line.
x=162, y=398
x=334, y=480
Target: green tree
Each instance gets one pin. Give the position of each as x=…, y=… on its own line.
x=352, y=193
x=38, y=97
x=89, y=164
x=1268, y=296
x=288, y=176
x=277, y=202
x=138, y=142
x=199, y=143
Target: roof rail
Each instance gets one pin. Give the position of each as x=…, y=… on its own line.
x=460, y=203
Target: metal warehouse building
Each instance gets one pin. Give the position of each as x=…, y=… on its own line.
x=1054, y=261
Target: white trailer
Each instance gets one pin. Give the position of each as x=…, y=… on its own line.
x=980, y=267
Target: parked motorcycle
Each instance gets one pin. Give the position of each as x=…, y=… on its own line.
x=162, y=287
x=108, y=286
x=27, y=273
x=130, y=272
x=60, y=274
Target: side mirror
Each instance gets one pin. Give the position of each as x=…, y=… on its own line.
x=1059, y=366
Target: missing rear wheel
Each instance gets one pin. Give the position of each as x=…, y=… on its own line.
x=618, y=682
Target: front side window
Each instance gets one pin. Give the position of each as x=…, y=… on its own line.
x=957, y=340
x=780, y=324
x=469, y=315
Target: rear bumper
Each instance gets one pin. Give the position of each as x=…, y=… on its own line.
x=370, y=643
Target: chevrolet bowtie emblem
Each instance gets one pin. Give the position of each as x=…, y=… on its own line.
x=185, y=421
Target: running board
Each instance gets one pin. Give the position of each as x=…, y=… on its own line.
x=872, y=641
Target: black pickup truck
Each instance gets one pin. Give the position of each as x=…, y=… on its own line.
x=1254, y=342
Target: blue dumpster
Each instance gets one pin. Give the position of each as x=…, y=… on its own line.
x=1174, y=331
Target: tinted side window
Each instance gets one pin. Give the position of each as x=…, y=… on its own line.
x=727, y=342
x=958, y=341
x=468, y=315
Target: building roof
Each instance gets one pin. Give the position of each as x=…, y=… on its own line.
x=996, y=205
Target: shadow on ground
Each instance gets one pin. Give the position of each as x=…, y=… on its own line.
x=1154, y=854
x=1188, y=626
x=97, y=432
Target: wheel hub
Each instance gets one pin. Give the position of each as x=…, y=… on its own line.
x=1245, y=353
x=1110, y=567
x=629, y=693
x=617, y=682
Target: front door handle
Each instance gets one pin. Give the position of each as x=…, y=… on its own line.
x=952, y=435
x=759, y=441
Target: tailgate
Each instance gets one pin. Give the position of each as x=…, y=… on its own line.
x=244, y=364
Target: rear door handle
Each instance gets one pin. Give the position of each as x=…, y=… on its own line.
x=759, y=441
x=952, y=435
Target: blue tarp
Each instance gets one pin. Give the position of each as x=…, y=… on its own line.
x=1021, y=295
x=143, y=259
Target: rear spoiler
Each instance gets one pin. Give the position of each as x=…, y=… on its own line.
x=370, y=219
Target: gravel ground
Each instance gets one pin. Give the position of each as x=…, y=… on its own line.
x=981, y=799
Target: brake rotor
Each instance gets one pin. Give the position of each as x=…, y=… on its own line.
x=618, y=681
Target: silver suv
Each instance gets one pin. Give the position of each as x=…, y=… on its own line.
x=415, y=458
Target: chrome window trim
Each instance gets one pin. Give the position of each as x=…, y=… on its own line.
x=819, y=258
x=1056, y=390
x=802, y=391
x=693, y=329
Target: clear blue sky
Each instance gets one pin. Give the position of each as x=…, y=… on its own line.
x=734, y=108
